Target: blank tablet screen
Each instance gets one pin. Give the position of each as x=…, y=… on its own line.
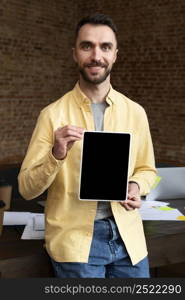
x=104, y=166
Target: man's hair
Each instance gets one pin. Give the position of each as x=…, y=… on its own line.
x=96, y=19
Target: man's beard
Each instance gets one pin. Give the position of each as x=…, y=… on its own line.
x=98, y=80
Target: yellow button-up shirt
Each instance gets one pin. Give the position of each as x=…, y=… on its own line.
x=69, y=221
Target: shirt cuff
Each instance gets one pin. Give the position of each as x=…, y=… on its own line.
x=131, y=181
x=56, y=162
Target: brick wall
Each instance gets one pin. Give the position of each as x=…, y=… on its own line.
x=37, y=67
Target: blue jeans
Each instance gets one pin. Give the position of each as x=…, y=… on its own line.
x=108, y=257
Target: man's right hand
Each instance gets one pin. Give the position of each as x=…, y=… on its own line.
x=64, y=140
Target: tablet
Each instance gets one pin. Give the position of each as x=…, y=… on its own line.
x=104, y=166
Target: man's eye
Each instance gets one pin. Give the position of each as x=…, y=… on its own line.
x=86, y=47
x=106, y=47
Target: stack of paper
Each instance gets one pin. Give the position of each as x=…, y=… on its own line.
x=157, y=210
x=16, y=218
x=35, y=223
x=35, y=227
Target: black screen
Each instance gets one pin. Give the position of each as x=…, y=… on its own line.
x=104, y=166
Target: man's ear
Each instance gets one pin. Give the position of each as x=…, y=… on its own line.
x=116, y=55
x=74, y=54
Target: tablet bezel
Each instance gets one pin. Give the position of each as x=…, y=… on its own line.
x=81, y=159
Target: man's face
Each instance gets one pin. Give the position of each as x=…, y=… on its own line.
x=95, y=52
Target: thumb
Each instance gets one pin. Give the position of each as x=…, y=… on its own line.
x=130, y=195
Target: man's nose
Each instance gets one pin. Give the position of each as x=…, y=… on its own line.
x=96, y=54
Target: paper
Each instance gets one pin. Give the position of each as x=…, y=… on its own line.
x=157, y=210
x=181, y=218
x=165, y=208
x=35, y=223
x=31, y=234
x=38, y=222
x=16, y=218
x=153, y=203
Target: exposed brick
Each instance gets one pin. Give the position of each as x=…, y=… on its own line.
x=36, y=38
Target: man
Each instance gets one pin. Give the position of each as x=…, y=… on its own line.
x=90, y=239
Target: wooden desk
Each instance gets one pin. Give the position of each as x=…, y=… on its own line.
x=23, y=258
x=166, y=239
x=28, y=258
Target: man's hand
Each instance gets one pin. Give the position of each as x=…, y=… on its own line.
x=133, y=200
x=64, y=140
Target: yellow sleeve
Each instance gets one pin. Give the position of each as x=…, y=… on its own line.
x=39, y=167
x=144, y=171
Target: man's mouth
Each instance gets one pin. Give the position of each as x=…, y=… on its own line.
x=95, y=65
x=95, y=69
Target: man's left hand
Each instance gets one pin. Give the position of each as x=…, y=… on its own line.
x=133, y=200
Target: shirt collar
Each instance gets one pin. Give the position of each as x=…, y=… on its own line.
x=81, y=98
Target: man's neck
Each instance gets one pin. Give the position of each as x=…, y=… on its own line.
x=95, y=92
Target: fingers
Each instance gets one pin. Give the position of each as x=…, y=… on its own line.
x=69, y=130
x=64, y=140
x=127, y=206
x=132, y=202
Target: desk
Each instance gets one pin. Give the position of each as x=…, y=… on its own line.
x=28, y=258
x=23, y=258
x=166, y=239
